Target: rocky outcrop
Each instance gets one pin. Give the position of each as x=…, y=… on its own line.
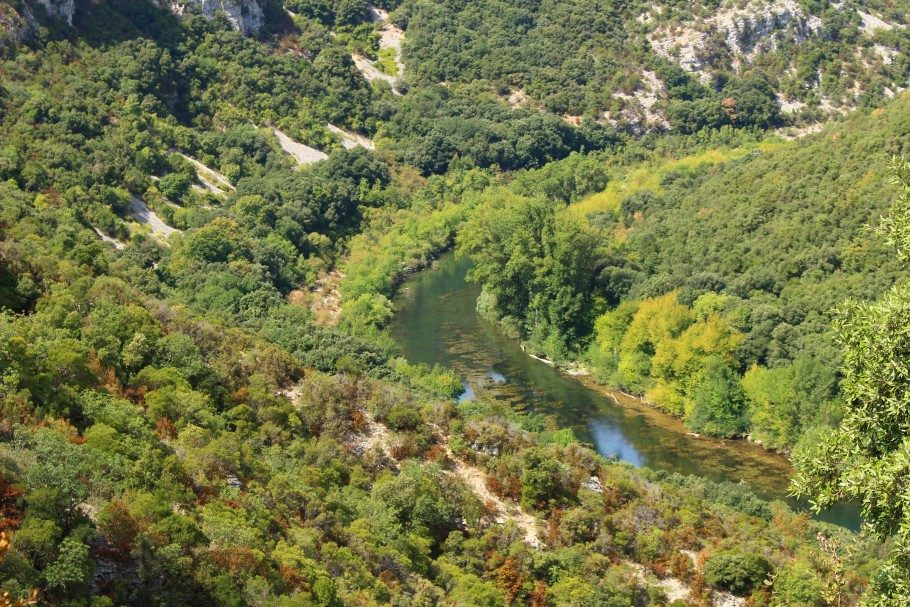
x=743, y=30
x=59, y=9
x=244, y=15
x=18, y=25
x=13, y=26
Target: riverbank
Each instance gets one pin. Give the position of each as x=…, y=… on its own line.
x=436, y=322
x=578, y=371
x=581, y=374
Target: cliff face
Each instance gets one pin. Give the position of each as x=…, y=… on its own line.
x=19, y=20
x=244, y=15
x=59, y=9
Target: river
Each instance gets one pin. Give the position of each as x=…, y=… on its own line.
x=436, y=322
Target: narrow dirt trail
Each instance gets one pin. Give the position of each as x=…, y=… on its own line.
x=506, y=511
x=375, y=435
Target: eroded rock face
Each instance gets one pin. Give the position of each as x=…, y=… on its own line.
x=59, y=9
x=244, y=15
x=13, y=26
x=18, y=24
x=746, y=30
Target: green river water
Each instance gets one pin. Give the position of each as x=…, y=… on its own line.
x=436, y=322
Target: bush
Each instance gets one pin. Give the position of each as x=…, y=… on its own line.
x=403, y=417
x=175, y=185
x=797, y=585
x=737, y=572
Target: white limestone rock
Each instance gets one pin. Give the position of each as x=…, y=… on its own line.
x=244, y=15
x=59, y=9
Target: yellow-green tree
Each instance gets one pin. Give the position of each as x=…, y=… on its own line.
x=678, y=361
x=656, y=320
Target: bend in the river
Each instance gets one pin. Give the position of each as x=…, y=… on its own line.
x=436, y=322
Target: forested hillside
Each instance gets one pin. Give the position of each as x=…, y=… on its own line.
x=722, y=264
x=680, y=64
x=205, y=208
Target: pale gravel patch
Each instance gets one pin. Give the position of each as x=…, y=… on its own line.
x=324, y=298
x=390, y=37
x=374, y=436
x=302, y=154
x=887, y=54
x=518, y=98
x=351, y=140
x=144, y=215
x=725, y=599
x=213, y=181
x=112, y=241
x=641, y=106
x=369, y=70
x=873, y=23
x=292, y=393
x=789, y=106
x=674, y=589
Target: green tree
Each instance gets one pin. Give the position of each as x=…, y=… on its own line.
x=536, y=263
x=367, y=312
x=655, y=321
x=718, y=404
x=738, y=572
x=175, y=185
x=867, y=457
x=71, y=569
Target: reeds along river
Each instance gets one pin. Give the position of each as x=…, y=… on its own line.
x=436, y=322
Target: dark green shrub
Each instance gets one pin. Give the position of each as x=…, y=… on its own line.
x=737, y=572
x=403, y=417
x=175, y=185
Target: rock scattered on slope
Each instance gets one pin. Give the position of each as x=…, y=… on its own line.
x=746, y=31
x=302, y=154
x=144, y=215
x=351, y=140
x=639, y=107
x=872, y=23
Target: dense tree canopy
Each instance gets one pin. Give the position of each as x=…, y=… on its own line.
x=866, y=456
x=199, y=404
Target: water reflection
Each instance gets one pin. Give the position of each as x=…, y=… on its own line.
x=467, y=392
x=610, y=442
x=436, y=322
x=498, y=378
